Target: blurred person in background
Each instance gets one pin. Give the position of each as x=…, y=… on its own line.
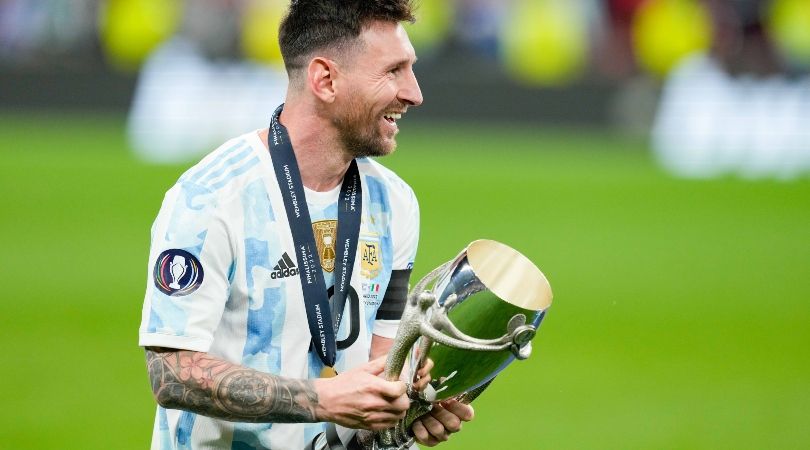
x=186, y=84
x=42, y=33
x=733, y=109
x=615, y=54
x=478, y=24
x=741, y=44
x=235, y=297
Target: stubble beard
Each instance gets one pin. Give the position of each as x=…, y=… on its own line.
x=359, y=133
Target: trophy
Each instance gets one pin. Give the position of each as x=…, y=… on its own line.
x=177, y=269
x=472, y=316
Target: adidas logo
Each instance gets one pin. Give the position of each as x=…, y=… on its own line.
x=284, y=268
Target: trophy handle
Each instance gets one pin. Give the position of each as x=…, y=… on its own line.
x=419, y=301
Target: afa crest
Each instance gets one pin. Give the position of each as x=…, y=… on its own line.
x=370, y=258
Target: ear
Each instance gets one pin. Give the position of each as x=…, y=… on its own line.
x=321, y=74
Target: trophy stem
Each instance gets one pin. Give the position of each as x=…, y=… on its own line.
x=419, y=301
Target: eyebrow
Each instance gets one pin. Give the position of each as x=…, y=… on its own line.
x=402, y=62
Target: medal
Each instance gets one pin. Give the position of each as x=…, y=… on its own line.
x=323, y=319
x=328, y=372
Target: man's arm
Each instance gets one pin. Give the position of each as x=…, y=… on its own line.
x=201, y=383
x=379, y=346
x=198, y=382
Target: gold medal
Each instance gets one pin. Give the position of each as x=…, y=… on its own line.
x=328, y=372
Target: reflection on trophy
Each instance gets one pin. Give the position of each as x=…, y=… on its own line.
x=177, y=269
x=480, y=314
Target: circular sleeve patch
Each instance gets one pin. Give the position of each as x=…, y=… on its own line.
x=177, y=272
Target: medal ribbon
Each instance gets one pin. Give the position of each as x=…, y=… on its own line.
x=323, y=321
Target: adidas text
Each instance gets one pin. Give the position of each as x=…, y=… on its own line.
x=284, y=268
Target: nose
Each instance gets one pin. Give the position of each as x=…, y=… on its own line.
x=409, y=92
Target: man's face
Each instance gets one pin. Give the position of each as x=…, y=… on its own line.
x=379, y=85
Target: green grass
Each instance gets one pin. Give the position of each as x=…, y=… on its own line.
x=681, y=315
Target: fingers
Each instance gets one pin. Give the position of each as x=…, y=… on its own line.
x=429, y=431
x=448, y=421
x=375, y=366
x=401, y=403
x=422, y=435
x=423, y=375
x=379, y=413
x=420, y=384
x=442, y=421
x=424, y=371
x=392, y=396
x=381, y=421
x=437, y=428
x=463, y=411
x=392, y=389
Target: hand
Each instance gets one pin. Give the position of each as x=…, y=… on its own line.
x=360, y=398
x=422, y=376
x=443, y=420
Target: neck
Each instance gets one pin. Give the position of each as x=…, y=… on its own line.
x=314, y=139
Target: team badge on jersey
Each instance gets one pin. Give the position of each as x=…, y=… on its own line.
x=370, y=263
x=177, y=272
x=325, y=236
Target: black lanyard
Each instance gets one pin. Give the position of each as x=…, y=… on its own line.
x=324, y=321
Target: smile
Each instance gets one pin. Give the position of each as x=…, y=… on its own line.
x=392, y=117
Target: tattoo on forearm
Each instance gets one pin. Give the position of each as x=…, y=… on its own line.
x=206, y=385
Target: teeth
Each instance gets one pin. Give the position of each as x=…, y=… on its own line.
x=393, y=116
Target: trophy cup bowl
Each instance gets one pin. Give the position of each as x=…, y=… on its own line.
x=494, y=295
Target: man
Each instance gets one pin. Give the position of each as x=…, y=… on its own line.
x=242, y=342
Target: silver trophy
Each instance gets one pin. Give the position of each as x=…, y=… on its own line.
x=472, y=317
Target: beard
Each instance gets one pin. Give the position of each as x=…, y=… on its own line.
x=359, y=131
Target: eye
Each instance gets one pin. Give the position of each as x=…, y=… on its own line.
x=396, y=69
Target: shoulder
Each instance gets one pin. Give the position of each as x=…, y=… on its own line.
x=227, y=169
x=392, y=198
x=381, y=177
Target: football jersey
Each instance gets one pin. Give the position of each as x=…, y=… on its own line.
x=223, y=279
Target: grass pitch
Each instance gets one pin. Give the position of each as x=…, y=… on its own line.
x=681, y=307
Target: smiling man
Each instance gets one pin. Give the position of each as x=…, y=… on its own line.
x=279, y=264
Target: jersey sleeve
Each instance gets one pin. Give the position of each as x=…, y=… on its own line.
x=405, y=232
x=190, y=264
x=405, y=236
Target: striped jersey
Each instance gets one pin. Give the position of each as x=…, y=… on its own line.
x=223, y=279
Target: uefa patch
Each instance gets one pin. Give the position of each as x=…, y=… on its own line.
x=177, y=273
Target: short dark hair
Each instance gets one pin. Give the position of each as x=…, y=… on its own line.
x=312, y=25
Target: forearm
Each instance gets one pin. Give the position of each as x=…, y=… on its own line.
x=206, y=385
x=379, y=346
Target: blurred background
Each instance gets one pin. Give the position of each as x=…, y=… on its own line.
x=651, y=156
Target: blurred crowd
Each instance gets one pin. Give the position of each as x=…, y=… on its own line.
x=540, y=41
x=733, y=74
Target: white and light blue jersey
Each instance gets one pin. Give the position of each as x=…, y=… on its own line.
x=223, y=279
